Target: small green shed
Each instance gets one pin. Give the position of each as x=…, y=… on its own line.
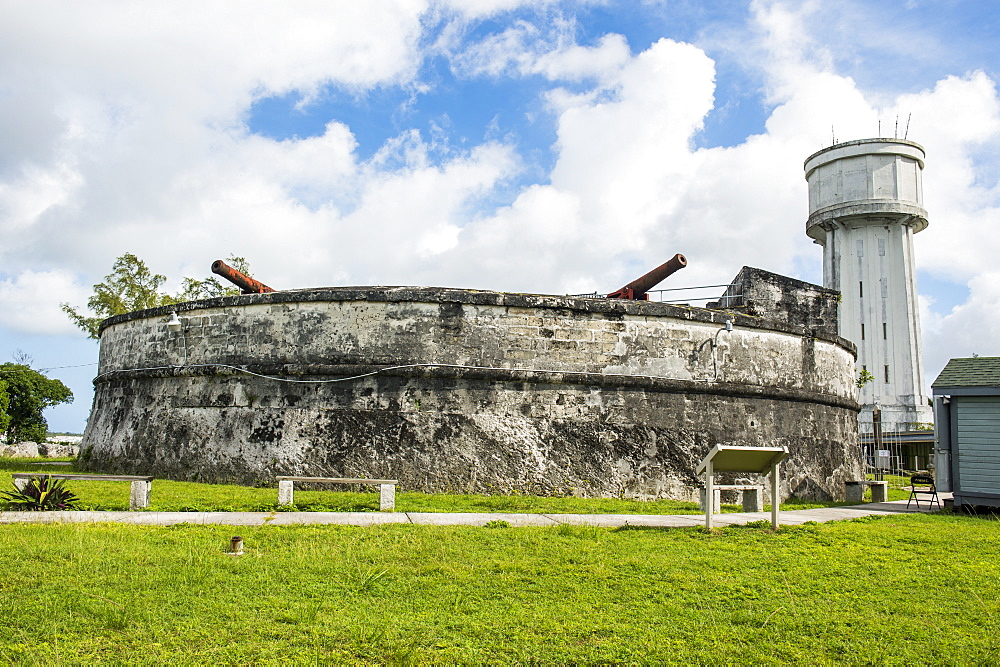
x=967, y=430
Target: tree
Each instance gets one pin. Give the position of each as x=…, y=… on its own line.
x=132, y=286
x=4, y=405
x=24, y=394
x=22, y=358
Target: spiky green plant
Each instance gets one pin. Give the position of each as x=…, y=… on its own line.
x=41, y=493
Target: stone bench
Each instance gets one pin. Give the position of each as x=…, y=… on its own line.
x=752, y=496
x=856, y=491
x=387, y=488
x=138, y=499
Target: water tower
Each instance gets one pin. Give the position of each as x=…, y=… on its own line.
x=865, y=205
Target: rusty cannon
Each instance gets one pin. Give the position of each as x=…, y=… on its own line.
x=637, y=288
x=241, y=280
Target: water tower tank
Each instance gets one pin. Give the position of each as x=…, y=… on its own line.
x=866, y=181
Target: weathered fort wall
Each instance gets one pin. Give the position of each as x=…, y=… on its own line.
x=468, y=391
x=776, y=297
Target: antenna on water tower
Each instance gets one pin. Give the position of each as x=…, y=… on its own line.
x=895, y=133
x=833, y=136
x=907, y=132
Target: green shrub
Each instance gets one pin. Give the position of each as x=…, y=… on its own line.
x=41, y=493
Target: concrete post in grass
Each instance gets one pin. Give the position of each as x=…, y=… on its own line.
x=286, y=492
x=139, y=496
x=855, y=492
x=880, y=492
x=387, y=497
x=753, y=500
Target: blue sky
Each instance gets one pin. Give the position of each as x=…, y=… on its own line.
x=473, y=109
x=555, y=147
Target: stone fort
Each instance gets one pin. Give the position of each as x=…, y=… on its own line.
x=478, y=391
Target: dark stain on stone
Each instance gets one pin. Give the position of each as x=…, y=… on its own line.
x=451, y=315
x=267, y=432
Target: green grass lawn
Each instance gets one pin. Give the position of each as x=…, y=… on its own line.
x=171, y=496
x=907, y=589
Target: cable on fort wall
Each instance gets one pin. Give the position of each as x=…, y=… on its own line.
x=394, y=368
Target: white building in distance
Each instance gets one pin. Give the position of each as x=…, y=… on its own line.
x=865, y=205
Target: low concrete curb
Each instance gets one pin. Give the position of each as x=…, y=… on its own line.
x=791, y=518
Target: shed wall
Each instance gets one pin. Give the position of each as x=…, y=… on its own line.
x=977, y=447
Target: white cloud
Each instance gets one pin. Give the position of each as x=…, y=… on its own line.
x=499, y=54
x=25, y=198
x=931, y=321
x=136, y=114
x=958, y=121
x=624, y=163
x=575, y=63
x=223, y=49
x=29, y=302
x=141, y=145
x=970, y=328
x=525, y=49
x=481, y=8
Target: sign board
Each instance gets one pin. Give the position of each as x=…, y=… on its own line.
x=739, y=458
x=883, y=459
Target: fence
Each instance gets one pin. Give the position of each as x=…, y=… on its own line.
x=896, y=449
x=730, y=298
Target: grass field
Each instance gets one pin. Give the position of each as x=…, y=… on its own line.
x=909, y=589
x=168, y=495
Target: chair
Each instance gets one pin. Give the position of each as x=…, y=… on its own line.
x=922, y=484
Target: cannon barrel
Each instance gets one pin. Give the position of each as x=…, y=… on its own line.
x=241, y=280
x=637, y=288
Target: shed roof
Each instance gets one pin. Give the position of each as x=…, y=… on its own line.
x=970, y=372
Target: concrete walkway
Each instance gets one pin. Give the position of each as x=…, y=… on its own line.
x=791, y=518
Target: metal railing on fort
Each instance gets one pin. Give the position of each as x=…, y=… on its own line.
x=731, y=298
